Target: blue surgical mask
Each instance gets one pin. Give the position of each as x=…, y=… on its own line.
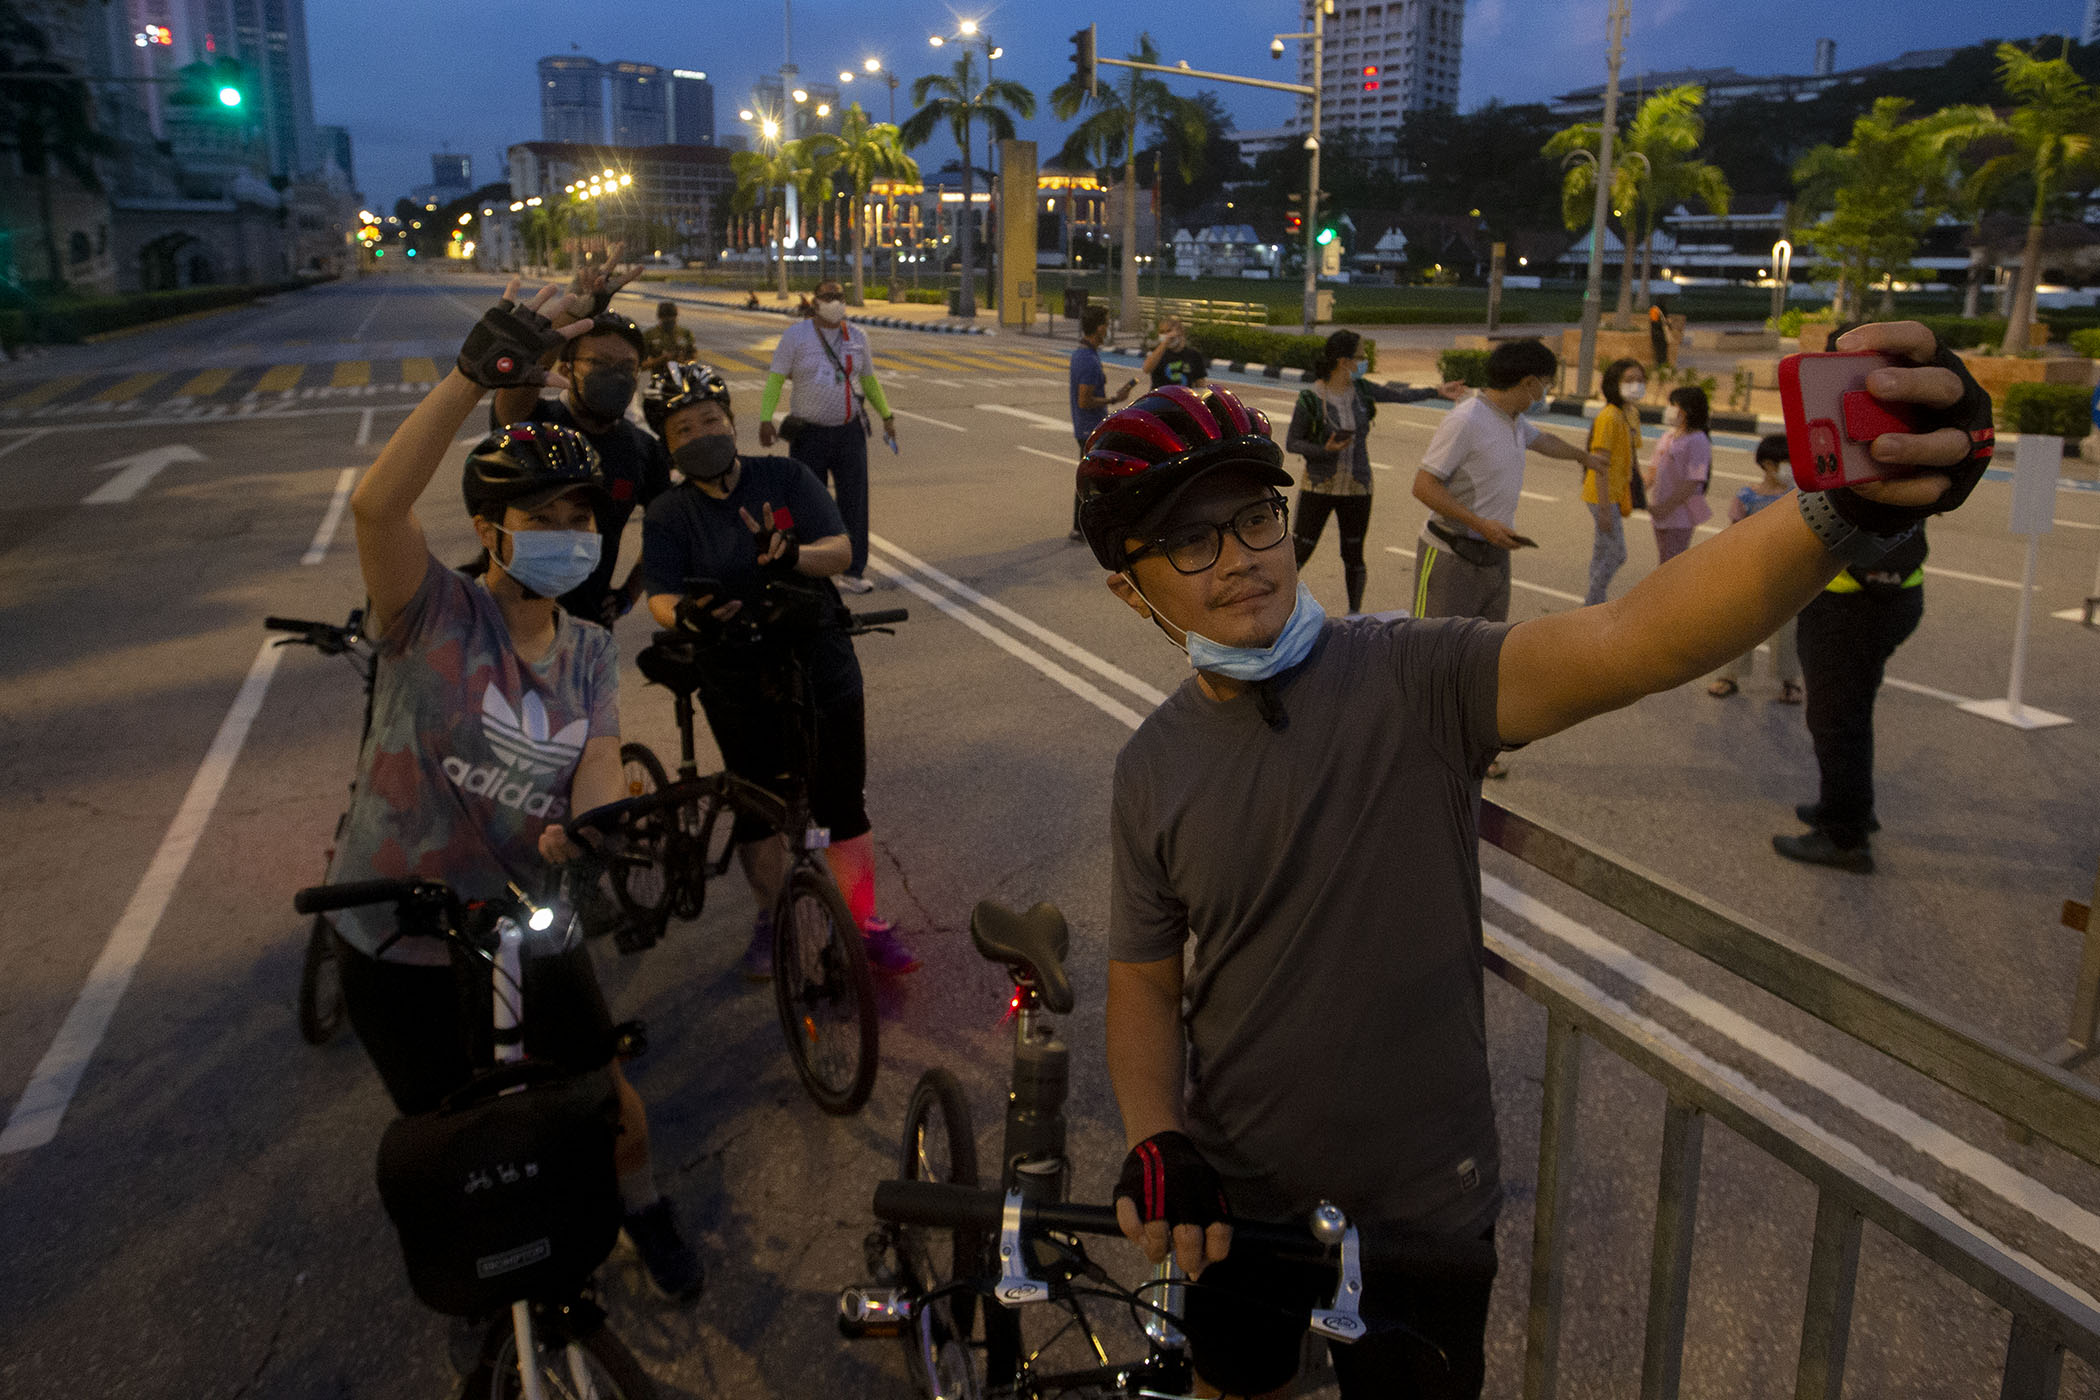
x=1291, y=646
x=1360, y=371
x=551, y=562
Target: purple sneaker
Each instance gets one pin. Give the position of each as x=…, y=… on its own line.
x=887, y=952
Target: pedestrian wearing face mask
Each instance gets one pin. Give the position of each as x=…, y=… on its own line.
x=1678, y=477
x=666, y=340
x=495, y=715
x=828, y=362
x=1614, y=493
x=741, y=521
x=602, y=368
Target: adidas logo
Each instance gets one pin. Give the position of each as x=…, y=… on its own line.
x=501, y=785
x=520, y=736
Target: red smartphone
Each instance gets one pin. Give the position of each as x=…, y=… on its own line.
x=1832, y=421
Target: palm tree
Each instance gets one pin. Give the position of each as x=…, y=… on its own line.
x=955, y=100
x=1666, y=133
x=762, y=177
x=2053, y=130
x=46, y=120
x=1109, y=136
x=809, y=168
x=1576, y=149
x=863, y=152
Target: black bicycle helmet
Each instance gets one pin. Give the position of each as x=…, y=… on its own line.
x=527, y=465
x=1144, y=456
x=609, y=323
x=681, y=384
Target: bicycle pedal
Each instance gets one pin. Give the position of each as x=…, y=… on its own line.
x=631, y=1040
x=872, y=1310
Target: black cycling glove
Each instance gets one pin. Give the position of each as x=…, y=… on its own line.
x=503, y=350
x=791, y=549
x=1971, y=413
x=701, y=622
x=1167, y=1179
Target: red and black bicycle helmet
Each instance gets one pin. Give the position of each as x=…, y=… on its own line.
x=609, y=323
x=527, y=465
x=1144, y=456
x=681, y=384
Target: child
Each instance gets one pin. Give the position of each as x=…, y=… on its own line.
x=1678, y=477
x=1772, y=461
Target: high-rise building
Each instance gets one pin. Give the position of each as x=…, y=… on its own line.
x=1382, y=61
x=572, y=99
x=641, y=103
x=817, y=111
x=268, y=39
x=692, y=108
x=336, y=151
x=452, y=170
x=2091, y=33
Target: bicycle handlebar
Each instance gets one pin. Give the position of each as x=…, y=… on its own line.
x=327, y=637
x=944, y=1206
x=888, y=617
x=323, y=899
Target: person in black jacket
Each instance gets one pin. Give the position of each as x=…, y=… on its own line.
x=1330, y=429
x=1847, y=634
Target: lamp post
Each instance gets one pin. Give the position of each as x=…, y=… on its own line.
x=969, y=32
x=873, y=67
x=1318, y=37
x=1782, y=272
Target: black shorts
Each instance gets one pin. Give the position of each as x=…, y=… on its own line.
x=757, y=744
x=1245, y=1321
x=429, y=1029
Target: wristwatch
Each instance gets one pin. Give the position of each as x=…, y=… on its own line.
x=1856, y=547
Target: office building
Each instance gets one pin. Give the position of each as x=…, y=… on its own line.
x=336, y=151
x=818, y=110
x=692, y=117
x=2091, y=32
x=678, y=201
x=572, y=99
x=1381, y=61
x=640, y=103
x=1725, y=85
x=451, y=176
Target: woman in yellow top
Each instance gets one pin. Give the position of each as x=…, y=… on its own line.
x=1616, y=434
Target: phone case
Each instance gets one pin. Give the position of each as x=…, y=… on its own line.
x=1831, y=419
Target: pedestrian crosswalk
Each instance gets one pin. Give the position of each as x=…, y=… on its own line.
x=211, y=392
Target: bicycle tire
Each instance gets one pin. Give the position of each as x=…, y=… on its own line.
x=320, y=985
x=939, y=1144
x=825, y=992
x=614, y=1373
x=640, y=875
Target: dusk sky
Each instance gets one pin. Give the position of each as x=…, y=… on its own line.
x=410, y=78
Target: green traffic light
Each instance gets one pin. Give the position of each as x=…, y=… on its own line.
x=230, y=96
x=1325, y=237
x=411, y=252
x=379, y=252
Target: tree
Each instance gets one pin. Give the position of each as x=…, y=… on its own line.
x=48, y=121
x=1879, y=193
x=1666, y=133
x=1193, y=171
x=956, y=100
x=2052, y=129
x=1109, y=135
x=762, y=179
x=1488, y=159
x=1577, y=149
x=863, y=152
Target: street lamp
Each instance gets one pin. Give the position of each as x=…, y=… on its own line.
x=873, y=66
x=1782, y=272
x=966, y=33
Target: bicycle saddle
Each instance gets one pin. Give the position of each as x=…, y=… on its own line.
x=1034, y=943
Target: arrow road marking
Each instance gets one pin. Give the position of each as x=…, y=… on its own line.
x=133, y=472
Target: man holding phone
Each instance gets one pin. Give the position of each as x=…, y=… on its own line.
x=1089, y=387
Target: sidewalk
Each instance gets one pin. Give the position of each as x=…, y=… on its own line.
x=904, y=316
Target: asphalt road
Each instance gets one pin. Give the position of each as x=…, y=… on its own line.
x=202, y=1221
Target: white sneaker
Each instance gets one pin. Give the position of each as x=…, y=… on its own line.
x=854, y=583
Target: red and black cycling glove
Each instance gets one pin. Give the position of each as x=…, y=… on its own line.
x=503, y=350
x=1167, y=1179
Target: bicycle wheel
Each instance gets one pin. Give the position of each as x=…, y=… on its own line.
x=825, y=992
x=594, y=1366
x=640, y=881
x=939, y=1145
x=320, y=986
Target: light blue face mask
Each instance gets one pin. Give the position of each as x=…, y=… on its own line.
x=1291, y=646
x=551, y=562
x=1360, y=371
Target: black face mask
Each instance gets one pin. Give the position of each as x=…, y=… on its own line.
x=706, y=458
x=607, y=392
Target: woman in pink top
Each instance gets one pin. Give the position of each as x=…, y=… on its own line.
x=1679, y=473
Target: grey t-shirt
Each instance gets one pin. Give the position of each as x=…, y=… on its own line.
x=1329, y=876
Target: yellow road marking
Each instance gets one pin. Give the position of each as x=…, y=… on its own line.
x=278, y=378
x=419, y=369
x=206, y=383
x=47, y=391
x=735, y=360
x=351, y=374
x=130, y=388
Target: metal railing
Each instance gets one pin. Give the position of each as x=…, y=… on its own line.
x=2034, y=1096
x=1203, y=311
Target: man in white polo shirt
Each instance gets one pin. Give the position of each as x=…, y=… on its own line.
x=834, y=378
x=1471, y=478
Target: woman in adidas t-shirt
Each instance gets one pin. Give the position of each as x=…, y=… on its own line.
x=495, y=715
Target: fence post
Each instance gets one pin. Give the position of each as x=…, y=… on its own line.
x=1549, y=1212
x=1826, y=1318
x=1670, y=1270
x=2078, y=1046
x=2034, y=1364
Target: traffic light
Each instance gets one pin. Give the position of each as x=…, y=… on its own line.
x=216, y=85
x=1083, y=66
x=1294, y=223
x=1326, y=235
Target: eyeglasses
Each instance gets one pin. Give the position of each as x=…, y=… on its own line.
x=1194, y=547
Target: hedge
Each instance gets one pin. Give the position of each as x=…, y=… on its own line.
x=2087, y=342
x=1251, y=345
x=1468, y=365
x=2061, y=409
x=1966, y=332
x=67, y=320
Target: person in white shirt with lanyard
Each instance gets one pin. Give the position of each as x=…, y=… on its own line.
x=827, y=429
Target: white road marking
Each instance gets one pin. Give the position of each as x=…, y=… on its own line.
x=922, y=418
x=364, y=426
x=1036, y=419
x=344, y=483
x=1575, y=598
x=1930, y=692
x=1539, y=496
x=36, y=1114
x=23, y=441
x=362, y=326
x=1065, y=457
x=134, y=472
x=2076, y=524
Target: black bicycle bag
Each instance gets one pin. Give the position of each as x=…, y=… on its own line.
x=502, y=1196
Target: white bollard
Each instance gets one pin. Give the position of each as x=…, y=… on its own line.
x=2036, y=463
